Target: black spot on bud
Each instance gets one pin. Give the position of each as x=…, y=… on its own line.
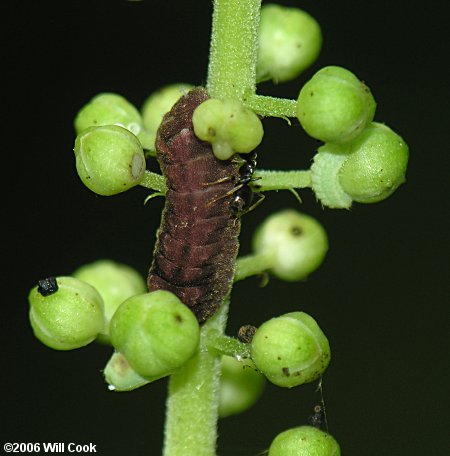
x=47, y=286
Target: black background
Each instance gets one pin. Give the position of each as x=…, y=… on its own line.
x=381, y=296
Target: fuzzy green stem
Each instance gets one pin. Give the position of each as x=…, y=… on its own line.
x=219, y=344
x=234, y=46
x=254, y=264
x=271, y=106
x=281, y=180
x=192, y=404
x=154, y=181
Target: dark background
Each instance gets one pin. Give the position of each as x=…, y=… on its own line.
x=381, y=296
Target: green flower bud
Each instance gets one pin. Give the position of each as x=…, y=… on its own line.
x=159, y=103
x=111, y=109
x=367, y=170
x=68, y=316
x=240, y=387
x=120, y=376
x=290, y=350
x=155, y=332
x=115, y=282
x=335, y=106
x=304, y=441
x=109, y=159
x=295, y=244
x=228, y=126
x=289, y=42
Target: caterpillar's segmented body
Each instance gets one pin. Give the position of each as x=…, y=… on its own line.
x=197, y=241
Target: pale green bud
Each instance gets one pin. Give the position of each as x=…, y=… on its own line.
x=228, y=126
x=109, y=159
x=335, y=106
x=290, y=350
x=295, y=243
x=366, y=170
x=240, y=387
x=67, y=315
x=120, y=376
x=289, y=42
x=115, y=282
x=155, y=332
x=304, y=441
x=160, y=103
x=111, y=109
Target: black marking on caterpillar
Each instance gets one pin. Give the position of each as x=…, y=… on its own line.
x=197, y=242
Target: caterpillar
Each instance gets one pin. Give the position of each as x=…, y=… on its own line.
x=197, y=241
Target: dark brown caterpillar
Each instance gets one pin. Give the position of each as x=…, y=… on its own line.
x=197, y=241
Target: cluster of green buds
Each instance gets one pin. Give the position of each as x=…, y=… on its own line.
x=361, y=160
x=113, y=138
x=153, y=333
x=69, y=312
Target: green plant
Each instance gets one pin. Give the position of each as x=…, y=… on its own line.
x=232, y=82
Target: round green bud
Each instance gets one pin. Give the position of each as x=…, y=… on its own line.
x=229, y=127
x=366, y=170
x=240, y=387
x=289, y=42
x=68, y=316
x=109, y=159
x=111, y=109
x=295, y=243
x=155, y=332
x=335, y=106
x=290, y=350
x=115, y=282
x=304, y=441
x=159, y=103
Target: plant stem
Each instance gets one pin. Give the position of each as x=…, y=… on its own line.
x=153, y=181
x=281, y=180
x=219, y=344
x=271, y=106
x=253, y=264
x=192, y=404
x=234, y=46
